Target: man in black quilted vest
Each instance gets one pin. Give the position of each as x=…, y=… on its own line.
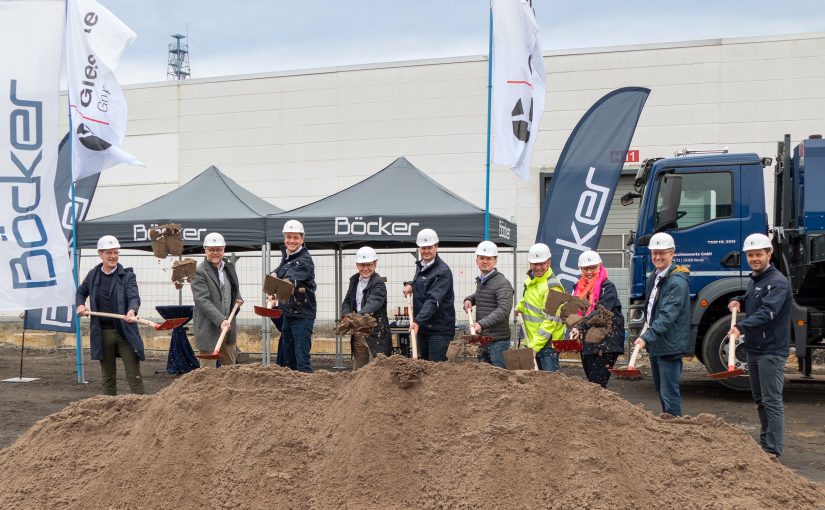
x=493, y=300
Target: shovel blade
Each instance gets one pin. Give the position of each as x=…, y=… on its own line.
x=567, y=346
x=214, y=355
x=171, y=324
x=267, y=312
x=736, y=372
x=626, y=373
x=477, y=339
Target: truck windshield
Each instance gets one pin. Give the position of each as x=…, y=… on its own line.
x=704, y=197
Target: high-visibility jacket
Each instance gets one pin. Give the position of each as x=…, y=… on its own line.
x=538, y=327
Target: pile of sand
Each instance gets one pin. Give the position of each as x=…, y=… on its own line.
x=395, y=434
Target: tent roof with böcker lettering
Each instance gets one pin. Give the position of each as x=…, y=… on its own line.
x=388, y=209
x=210, y=202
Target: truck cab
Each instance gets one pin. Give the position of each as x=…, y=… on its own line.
x=709, y=204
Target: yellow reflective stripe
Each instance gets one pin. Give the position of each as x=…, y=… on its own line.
x=533, y=308
x=555, y=283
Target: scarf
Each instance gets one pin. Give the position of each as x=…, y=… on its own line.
x=590, y=290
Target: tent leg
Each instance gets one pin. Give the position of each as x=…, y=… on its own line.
x=266, y=326
x=339, y=339
x=514, y=327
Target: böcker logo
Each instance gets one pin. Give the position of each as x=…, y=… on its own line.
x=357, y=226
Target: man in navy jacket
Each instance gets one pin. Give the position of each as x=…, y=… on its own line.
x=433, y=299
x=299, y=310
x=766, y=328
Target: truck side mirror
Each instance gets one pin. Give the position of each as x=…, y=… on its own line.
x=672, y=194
x=644, y=240
x=627, y=198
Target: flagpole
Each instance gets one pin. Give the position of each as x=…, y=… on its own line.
x=489, y=107
x=78, y=339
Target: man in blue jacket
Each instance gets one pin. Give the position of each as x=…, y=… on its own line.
x=433, y=299
x=766, y=328
x=112, y=288
x=668, y=319
x=299, y=310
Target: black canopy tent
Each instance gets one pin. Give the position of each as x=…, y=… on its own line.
x=210, y=202
x=386, y=210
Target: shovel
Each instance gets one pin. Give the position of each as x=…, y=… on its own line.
x=522, y=358
x=268, y=312
x=631, y=371
x=732, y=371
x=413, y=337
x=472, y=338
x=163, y=326
x=217, y=352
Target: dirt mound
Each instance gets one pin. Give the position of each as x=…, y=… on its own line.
x=395, y=434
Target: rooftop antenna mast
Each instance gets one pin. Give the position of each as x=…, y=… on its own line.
x=178, y=65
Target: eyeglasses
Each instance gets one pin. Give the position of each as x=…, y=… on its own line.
x=214, y=250
x=589, y=269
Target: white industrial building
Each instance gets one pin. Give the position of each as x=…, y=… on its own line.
x=296, y=137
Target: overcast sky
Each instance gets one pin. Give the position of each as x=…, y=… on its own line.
x=251, y=36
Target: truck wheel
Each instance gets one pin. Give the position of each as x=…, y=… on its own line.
x=715, y=352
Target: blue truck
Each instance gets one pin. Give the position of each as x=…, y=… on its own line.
x=709, y=203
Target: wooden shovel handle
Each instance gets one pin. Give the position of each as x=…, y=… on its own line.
x=637, y=349
x=224, y=331
x=732, y=344
x=413, y=337
x=470, y=322
x=632, y=362
x=121, y=317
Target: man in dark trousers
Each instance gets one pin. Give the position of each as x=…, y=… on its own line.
x=112, y=288
x=668, y=318
x=493, y=300
x=766, y=328
x=367, y=294
x=433, y=299
x=299, y=309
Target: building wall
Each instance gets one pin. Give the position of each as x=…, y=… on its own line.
x=294, y=138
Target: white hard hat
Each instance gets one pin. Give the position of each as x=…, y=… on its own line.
x=293, y=227
x=538, y=253
x=757, y=242
x=107, y=243
x=589, y=258
x=487, y=248
x=426, y=237
x=365, y=254
x=661, y=241
x=213, y=240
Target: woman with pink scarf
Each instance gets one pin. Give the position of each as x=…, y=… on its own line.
x=598, y=354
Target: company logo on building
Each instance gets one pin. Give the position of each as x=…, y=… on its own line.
x=357, y=226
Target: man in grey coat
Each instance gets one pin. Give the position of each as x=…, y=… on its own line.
x=493, y=300
x=215, y=290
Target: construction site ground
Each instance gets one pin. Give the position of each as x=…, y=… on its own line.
x=23, y=404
